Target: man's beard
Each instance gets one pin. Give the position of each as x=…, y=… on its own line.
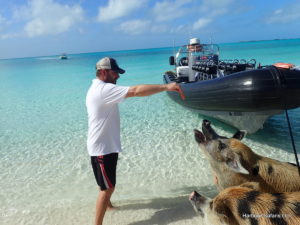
x=111, y=80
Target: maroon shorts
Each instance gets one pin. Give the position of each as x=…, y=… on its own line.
x=104, y=168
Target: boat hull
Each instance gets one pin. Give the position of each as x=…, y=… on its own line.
x=244, y=100
x=248, y=121
x=248, y=91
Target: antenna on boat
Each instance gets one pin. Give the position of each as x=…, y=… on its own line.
x=189, y=32
x=282, y=79
x=292, y=139
x=174, y=53
x=211, y=41
x=174, y=47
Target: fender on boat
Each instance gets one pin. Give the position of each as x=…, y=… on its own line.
x=284, y=65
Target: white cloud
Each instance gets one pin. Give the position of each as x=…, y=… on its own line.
x=118, y=8
x=159, y=28
x=170, y=10
x=180, y=29
x=4, y=23
x=210, y=10
x=289, y=13
x=9, y=35
x=201, y=23
x=48, y=17
x=2, y=19
x=215, y=8
x=135, y=27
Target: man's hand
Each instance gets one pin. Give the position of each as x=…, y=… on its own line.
x=175, y=87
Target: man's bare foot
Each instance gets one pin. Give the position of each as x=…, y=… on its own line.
x=111, y=207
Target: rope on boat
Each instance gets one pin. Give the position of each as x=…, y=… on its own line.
x=292, y=139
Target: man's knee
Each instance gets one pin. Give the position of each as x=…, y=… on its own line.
x=108, y=191
x=111, y=190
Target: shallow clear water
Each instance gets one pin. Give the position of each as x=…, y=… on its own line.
x=46, y=177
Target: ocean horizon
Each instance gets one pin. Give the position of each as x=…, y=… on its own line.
x=154, y=48
x=46, y=173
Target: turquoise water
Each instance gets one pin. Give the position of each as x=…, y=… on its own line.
x=46, y=176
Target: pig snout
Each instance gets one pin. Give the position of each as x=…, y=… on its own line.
x=208, y=131
x=194, y=196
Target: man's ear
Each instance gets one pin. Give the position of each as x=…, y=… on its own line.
x=240, y=134
x=104, y=74
x=233, y=162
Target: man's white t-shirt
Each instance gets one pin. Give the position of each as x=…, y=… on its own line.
x=103, y=117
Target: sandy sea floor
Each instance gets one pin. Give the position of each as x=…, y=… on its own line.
x=160, y=211
x=173, y=211
x=46, y=176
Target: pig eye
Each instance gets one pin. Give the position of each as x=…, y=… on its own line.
x=221, y=145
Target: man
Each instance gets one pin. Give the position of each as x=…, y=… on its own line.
x=103, y=140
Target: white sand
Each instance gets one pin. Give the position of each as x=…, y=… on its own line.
x=175, y=211
x=160, y=211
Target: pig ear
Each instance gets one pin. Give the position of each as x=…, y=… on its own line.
x=234, y=164
x=251, y=185
x=222, y=211
x=240, y=134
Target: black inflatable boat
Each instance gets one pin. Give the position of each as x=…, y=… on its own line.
x=234, y=91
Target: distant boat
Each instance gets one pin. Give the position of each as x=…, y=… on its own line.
x=63, y=56
x=236, y=91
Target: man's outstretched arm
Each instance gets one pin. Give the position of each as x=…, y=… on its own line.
x=151, y=89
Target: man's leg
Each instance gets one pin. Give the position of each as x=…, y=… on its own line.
x=105, y=173
x=103, y=202
x=110, y=206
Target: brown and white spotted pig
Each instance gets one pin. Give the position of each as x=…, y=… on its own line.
x=234, y=163
x=244, y=205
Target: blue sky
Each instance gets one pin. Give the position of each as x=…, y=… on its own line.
x=50, y=27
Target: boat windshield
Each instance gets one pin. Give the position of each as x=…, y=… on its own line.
x=201, y=52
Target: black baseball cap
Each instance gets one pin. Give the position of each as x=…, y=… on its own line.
x=110, y=64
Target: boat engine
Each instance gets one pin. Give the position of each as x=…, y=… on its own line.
x=209, y=69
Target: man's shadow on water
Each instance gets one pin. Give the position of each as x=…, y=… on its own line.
x=170, y=209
